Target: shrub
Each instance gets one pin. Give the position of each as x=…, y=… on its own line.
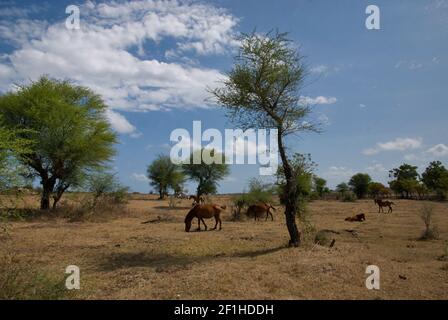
x=349, y=197
x=22, y=281
x=259, y=192
x=430, y=232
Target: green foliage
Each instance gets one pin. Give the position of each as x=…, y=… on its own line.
x=377, y=189
x=163, y=175
x=342, y=188
x=320, y=186
x=405, y=180
x=359, y=184
x=349, y=197
x=435, y=178
x=106, y=185
x=67, y=129
x=22, y=281
x=303, y=168
x=259, y=192
x=262, y=89
x=206, y=174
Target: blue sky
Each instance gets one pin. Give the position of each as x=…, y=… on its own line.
x=381, y=94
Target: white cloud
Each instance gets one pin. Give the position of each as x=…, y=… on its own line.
x=399, y=144
x=323, y=70
x=323, y=119
x=439, y=150
x=339, y=172
x=317, y=100
x=362, y=105
x=139, y=177
x=376, y=168
x=415, y=65
x=320, y=69
x=105, y=54
x=120, y=124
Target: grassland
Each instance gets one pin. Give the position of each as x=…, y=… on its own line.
x=121, y=258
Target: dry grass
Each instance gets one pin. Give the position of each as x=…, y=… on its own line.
x=124, y=259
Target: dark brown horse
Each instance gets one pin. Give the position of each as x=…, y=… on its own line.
x=196, y=199
x=204, y=211
x=382, y=204
x=257, y=210
x=359, y=218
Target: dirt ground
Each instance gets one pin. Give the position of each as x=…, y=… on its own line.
x=125, y=259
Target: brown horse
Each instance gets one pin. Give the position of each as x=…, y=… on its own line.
x=196, y=199
x=382, y=204
x=359, y=217
x=258, y=209
x=204, y=211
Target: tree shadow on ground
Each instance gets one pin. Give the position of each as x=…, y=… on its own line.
x=165, y=261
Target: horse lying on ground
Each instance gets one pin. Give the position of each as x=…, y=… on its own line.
x=382, y=204
x=359, y=217
x=257, y=210
x=196, y=199
x=204, y=211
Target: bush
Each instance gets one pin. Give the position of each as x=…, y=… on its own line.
x=22, y=281
x=349, y=197
x=92, y=209
x=430, y=232
x=258, y=193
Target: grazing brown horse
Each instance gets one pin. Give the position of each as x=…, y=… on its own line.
x=204, y=211
x=196, y=199
x=259, y=209
x=382, y=204
x=358, y=218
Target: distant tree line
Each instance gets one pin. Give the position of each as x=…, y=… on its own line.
x=405, y=182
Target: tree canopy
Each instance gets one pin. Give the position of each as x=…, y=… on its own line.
x=435, y=178
x=359, y=184
x=404, y=179
x=67, y=130
x=205, y=174
x=165, y=175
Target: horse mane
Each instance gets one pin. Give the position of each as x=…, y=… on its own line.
x=191, y=214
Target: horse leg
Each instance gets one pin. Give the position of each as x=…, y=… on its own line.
x=272, y=217
x=220, y=223
x=202, y=219
x=199, y=224
x=216, y=223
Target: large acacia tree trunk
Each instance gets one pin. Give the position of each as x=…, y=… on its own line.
x=59, y=192
x=47, y=190
x=289, y=196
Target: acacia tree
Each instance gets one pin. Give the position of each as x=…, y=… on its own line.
x=163, y=174
x=67, y=128
x=405, y=180
x=206, y=174
x=359, y=184
x=435, y=178
x=342, y=188
x=11, y=145
x=263, y=91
